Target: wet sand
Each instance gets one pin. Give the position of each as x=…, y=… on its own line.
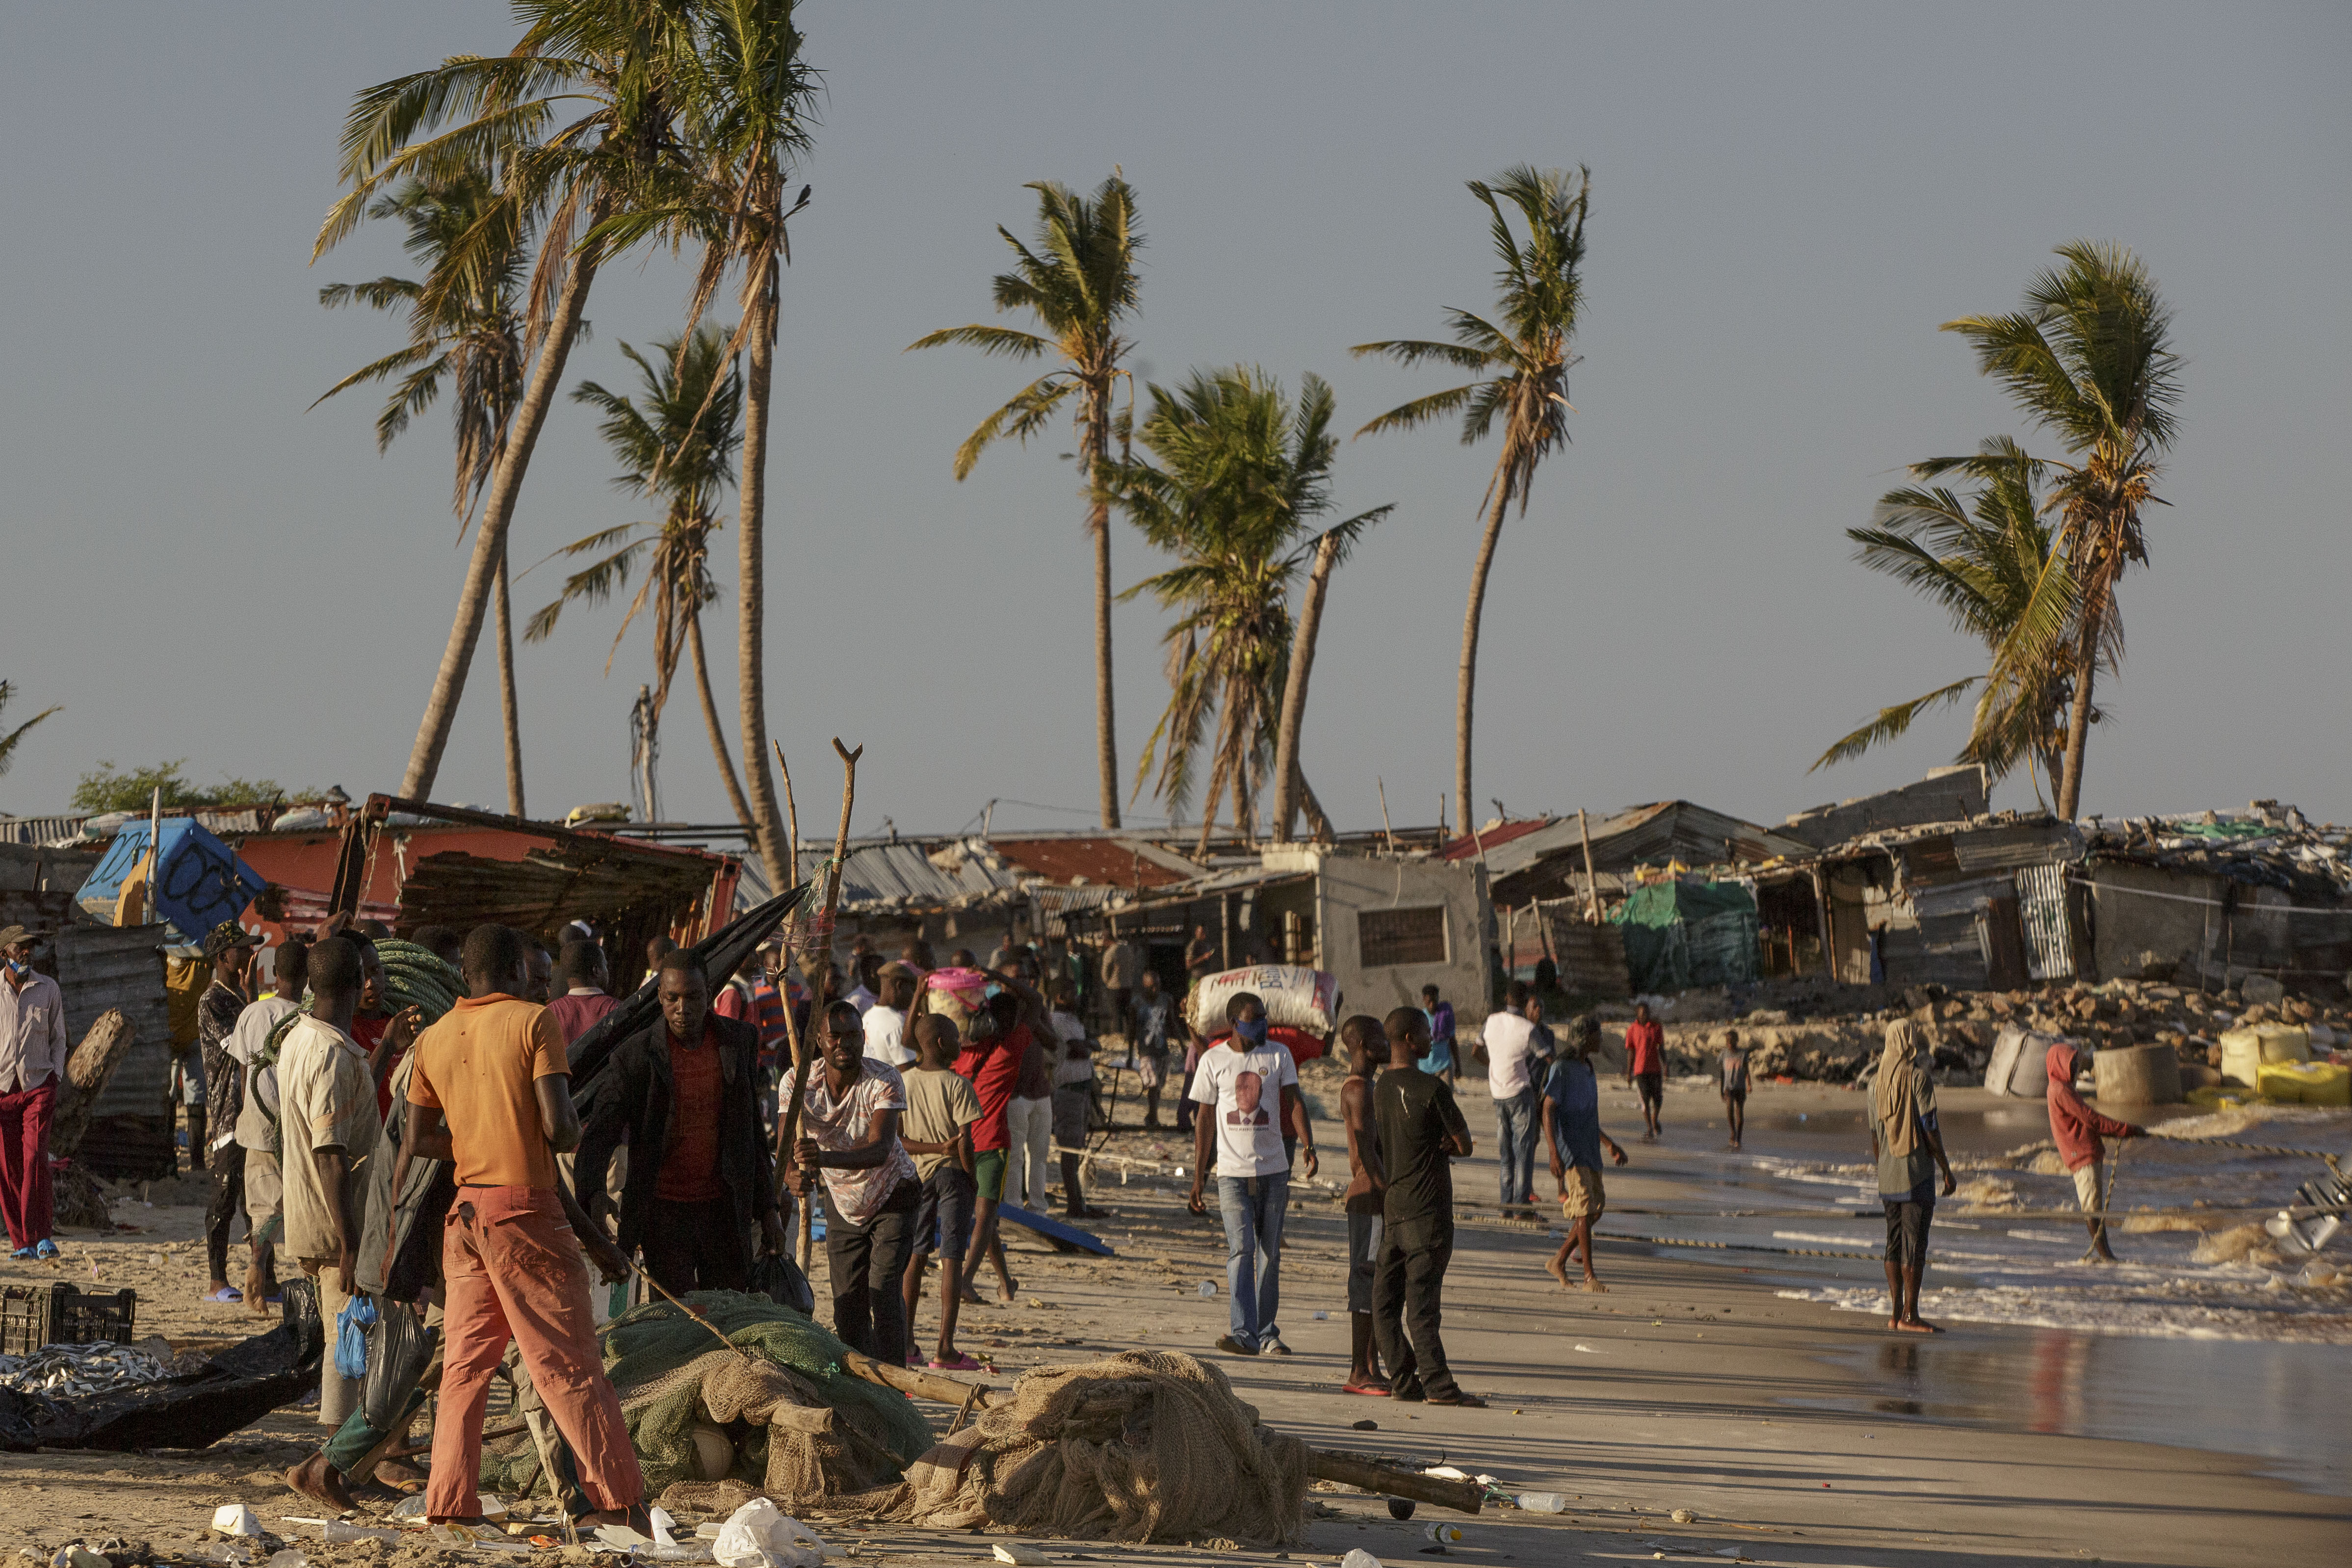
x=1698, y=1387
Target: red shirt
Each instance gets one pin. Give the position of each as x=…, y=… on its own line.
x=573, y=1014
x=689, y=1169
x=367, y=1032
x=1645, y=1046
x=993, y=1075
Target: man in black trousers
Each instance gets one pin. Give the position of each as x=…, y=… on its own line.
x=684, y=1091
x=1421, y=1133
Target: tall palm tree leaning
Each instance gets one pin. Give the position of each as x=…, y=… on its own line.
x=516, y=112
x=465, y=328
x=676, y=442
x=747, y=98
x=1080, y=283
x=2090, y=360
x=1540, y=285
x=1991, y=560
x=1239, y=478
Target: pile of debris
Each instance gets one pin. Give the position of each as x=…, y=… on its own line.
x=1793, y=1040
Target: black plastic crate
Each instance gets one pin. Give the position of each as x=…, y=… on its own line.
x=32, y=1316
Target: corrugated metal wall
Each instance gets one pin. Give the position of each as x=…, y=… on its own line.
x=98, y=967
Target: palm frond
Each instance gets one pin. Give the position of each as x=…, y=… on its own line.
x=1892, y=722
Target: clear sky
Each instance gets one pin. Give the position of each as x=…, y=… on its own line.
x=1787, y=200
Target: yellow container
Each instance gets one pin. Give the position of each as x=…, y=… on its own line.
x=2222, y=1099
x=2307, y=1083
x=2244, y=1050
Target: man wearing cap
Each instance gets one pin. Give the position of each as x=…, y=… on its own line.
x=217, y=1011
x=32, y=1059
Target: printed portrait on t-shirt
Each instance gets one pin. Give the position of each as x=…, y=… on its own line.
x=1249, y=1095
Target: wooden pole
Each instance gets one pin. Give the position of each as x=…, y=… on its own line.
x=792, y=1028
x=1591, y=887
x=1438, y=1491
x=819, y=1028
x=1382, y=786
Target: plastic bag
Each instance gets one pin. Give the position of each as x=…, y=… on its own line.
x=399, y=1347
x=780, y=1280
x=351, y=1325
x=761, y=1535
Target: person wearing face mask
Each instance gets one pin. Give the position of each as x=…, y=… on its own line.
x=32, y=1059
x=1247, y=1090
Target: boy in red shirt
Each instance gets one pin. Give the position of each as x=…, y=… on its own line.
x=1645, y=1066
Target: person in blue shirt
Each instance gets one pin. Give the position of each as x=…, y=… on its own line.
x=1439, y=1062
x=1572, y=1137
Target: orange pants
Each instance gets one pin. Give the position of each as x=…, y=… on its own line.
x=511, y=1269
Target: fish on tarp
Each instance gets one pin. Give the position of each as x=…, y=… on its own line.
x=76, y=1372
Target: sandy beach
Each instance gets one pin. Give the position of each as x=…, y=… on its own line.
x=1791, y=1431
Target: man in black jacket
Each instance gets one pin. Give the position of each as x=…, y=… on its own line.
x=684, y=1093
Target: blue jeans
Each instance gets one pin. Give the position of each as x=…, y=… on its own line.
x=1515, y=1142
x=1253, y=1208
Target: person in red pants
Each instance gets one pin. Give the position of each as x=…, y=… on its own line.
x=32, y=1060
x=491, y=1093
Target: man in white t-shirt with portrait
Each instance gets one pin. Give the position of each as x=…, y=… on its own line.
x=1247, y=1089
x=1516, y=1048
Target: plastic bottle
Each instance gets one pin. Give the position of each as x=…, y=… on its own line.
x=1542, y=1502
x=1443, y=1534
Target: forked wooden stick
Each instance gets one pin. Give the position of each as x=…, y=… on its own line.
x=819, y=1028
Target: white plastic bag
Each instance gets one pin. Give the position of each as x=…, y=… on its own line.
x=761, y=1535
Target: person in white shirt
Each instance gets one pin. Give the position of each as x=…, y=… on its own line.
x=257, y=1119
x=1074, y=1096
x=886, y=1021
x=32, y=1060
x=1515, y=1045
x=1253, y=1172
x=867, y=970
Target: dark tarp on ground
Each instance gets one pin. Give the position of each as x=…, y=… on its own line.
x=234, y=1389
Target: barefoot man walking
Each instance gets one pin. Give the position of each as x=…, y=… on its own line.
x=1572, y=1137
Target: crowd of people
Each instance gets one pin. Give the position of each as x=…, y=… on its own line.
x=936, y=1094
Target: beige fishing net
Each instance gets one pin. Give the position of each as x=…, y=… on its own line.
x=1143, y=1446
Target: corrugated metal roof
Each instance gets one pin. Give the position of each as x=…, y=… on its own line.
x=99, y=967
x=1641, y=834
x=41, y=829
x=1082, y=862
x=1488, y=839
x=902, y=876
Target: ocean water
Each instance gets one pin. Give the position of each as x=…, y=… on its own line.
x=2202, y=1336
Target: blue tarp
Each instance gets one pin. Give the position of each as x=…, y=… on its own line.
x=201, y=881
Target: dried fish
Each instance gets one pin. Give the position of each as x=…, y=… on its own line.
x=76, y=1372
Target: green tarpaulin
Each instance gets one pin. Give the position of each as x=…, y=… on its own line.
x=1680, y=934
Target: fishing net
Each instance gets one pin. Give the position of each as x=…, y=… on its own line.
x=788, y=1420
x=1143, y=1446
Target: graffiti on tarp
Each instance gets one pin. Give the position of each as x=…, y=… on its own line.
x=199, y=882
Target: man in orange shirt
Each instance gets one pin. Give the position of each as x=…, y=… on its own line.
x=493, y=1092
x=1645, y=1067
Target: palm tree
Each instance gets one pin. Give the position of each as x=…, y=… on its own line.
x=2089, y=359
x=1081, y=284
x=1239, y=476
x=1541, y=290
x=465, y=328
x=8, y=741
x=748, y=94
x=1991, y=560
x=676, y=442
x=578, y=119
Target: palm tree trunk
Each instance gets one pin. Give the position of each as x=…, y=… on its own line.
x=1469, y=680
x=1287, y=779
x=717, y=736
x=498, y=511
x=1217, y=789
x=507, y=705
x=767, y=821
x=2078, y=723
x=1318, y=824
x=1098, y=525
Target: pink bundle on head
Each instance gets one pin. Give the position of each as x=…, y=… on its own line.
x=969, y=986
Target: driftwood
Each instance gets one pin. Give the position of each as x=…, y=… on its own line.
x=87, y=1068
x=1372, y=1475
